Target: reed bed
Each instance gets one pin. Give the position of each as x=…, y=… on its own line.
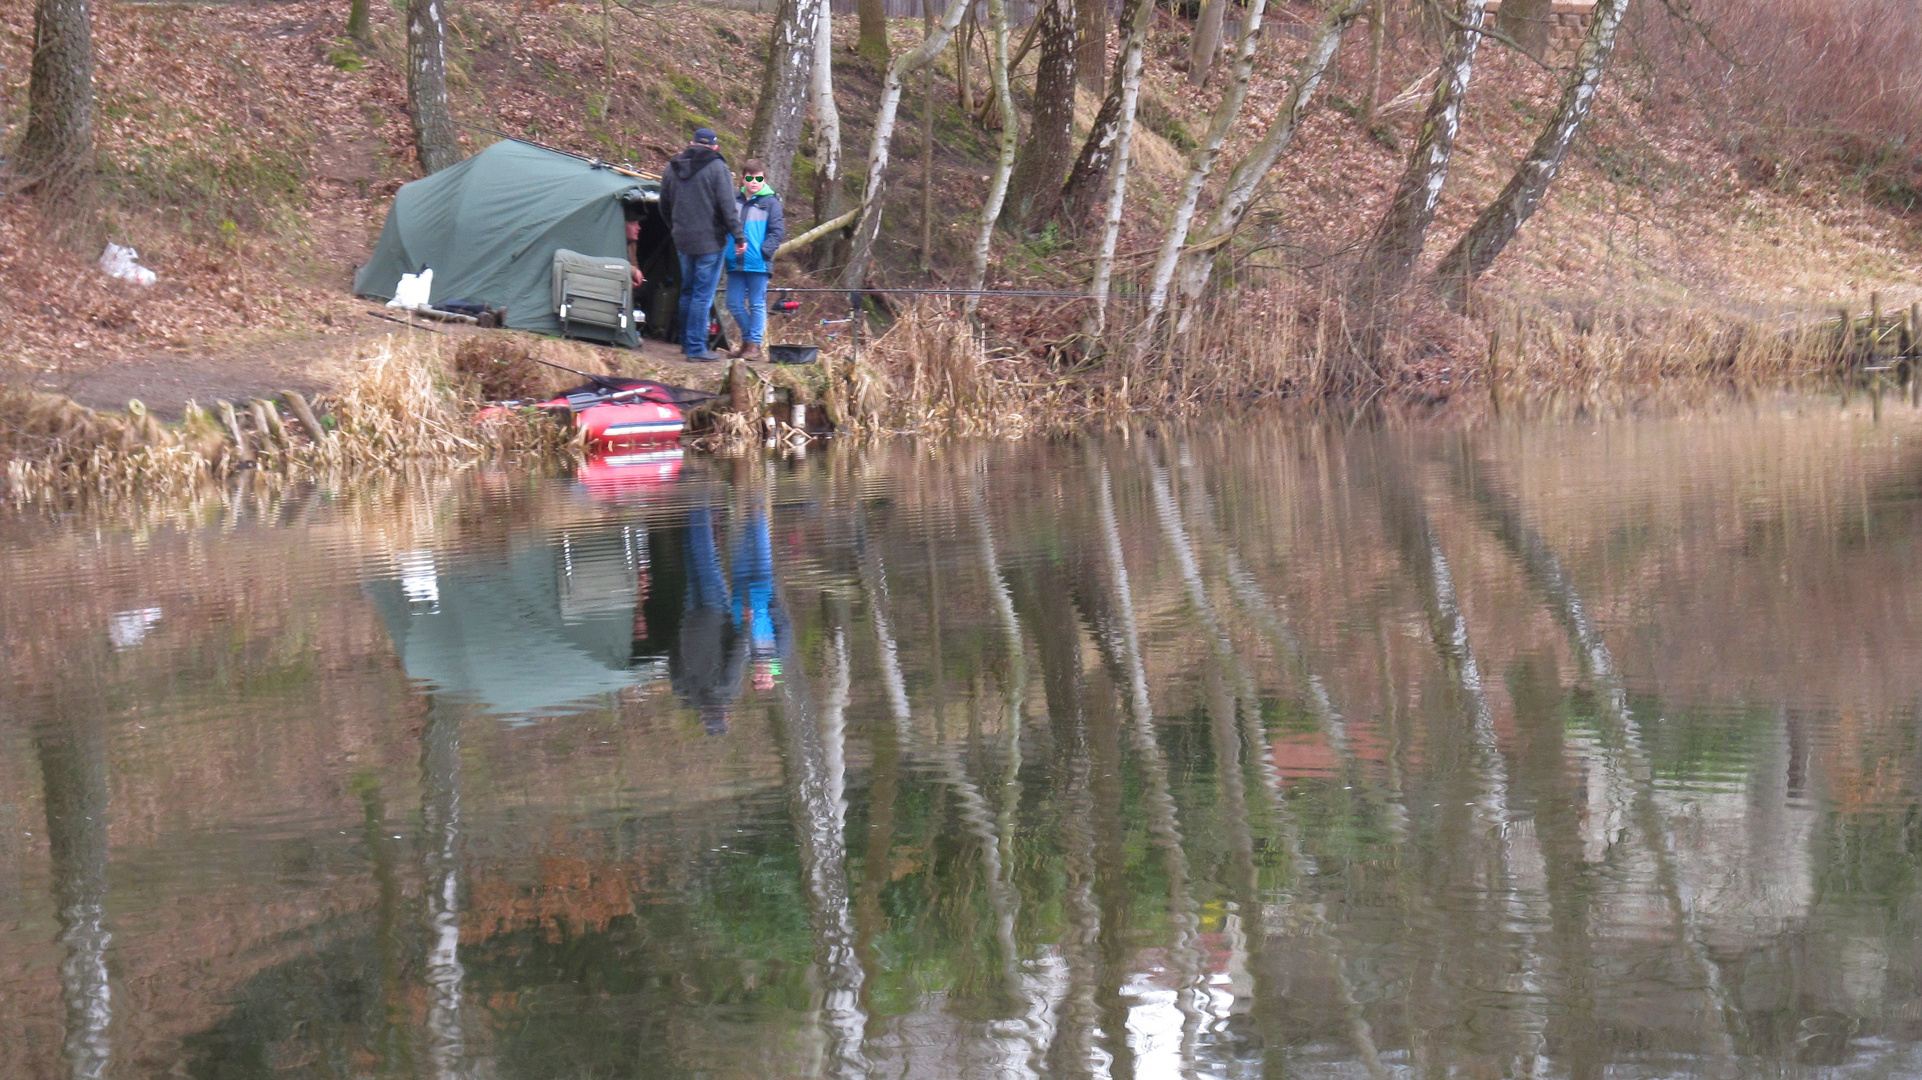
x=397, y=405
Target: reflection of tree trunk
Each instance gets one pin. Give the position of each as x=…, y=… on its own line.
x=1625, y=762
x=1120, y=639
x=73, y=768
x=440, y=811
x=392, y=1047
x=815, y=765
x=1491, y=814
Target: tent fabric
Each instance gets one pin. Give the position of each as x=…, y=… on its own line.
x=490, y=225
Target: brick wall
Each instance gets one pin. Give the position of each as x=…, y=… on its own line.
x=1568, y=22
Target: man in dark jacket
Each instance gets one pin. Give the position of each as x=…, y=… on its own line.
x=697, y=200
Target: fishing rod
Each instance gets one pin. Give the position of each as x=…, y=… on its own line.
x=624, y=170
x=1062, y=294
x=404, y=322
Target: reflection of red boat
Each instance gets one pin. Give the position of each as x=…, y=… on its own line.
x=609, y=476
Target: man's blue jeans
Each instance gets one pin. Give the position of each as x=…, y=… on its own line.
x=747, y=302
x=700, y=274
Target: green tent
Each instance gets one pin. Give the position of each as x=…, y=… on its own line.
x=490, y=225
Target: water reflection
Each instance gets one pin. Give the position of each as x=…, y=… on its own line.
x=1225, y=753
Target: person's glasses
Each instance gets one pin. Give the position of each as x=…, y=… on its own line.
x=753, y=179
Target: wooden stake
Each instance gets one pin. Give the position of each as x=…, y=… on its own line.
x=1875, y=325
x=232, y=421
x=305, y=415
x=267, y=419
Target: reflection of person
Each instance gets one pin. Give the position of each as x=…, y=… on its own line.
x=748, y=272
x=705, y=664
x=697, y=199
x=757, y=607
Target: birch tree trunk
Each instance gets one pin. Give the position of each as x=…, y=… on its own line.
x=1403, y=230
x=1205, y=43
x=58, y=144
x=873, y=42
x=1201, y=168
x=1098, y=153
x=1129, y=82
x=1004, y=164
x=785, y=83
x=1245, y=181
x=828, y=197
x=869, y=227
x=434, y=140
x=1049, y=152
x=1501, y=219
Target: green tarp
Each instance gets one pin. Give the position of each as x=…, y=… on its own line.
x=490, y=225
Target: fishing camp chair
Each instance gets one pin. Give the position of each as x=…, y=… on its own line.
x=593, y=292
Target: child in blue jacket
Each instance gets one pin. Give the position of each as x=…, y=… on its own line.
x=748, y=273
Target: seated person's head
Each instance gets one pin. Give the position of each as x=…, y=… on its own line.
x=633, y=229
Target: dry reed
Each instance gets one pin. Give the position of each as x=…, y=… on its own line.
x=397, y=405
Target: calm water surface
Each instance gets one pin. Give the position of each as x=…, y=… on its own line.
x=1555, y=750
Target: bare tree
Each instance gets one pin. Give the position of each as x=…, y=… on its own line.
x=1243, y=184
x=1403, y=230
x=1128, y=78
x=1091, y=44
x=1200, y=168
x=873, y=42
x=357, y=20
x=58, y=145
x=1099, y=152
x=872, y=197
x=1501, y=219
x=1204, y=45
x=785, y=84
x=1050, y=146
x=828, y=197
x=1004, y=163
x=434, y=140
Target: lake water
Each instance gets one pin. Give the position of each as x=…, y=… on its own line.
x=1571, y=749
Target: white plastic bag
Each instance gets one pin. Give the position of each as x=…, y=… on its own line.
x=123, y=263
x=413, y=290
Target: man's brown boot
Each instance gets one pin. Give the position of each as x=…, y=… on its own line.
x=737, y=351
x=752, y=351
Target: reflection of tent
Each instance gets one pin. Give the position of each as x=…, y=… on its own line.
x=490, y=225
x=546, y=626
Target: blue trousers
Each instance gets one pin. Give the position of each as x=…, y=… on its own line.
x=700, y=274
x=747, y=302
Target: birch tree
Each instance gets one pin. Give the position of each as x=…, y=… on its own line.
x=1399, y=237
x=1050, y=148
x=1243, y=184
x=1501, y=219
x=1202, y=166
x=1128, y=81
x=434, y=140
x=58, y=145
x=827, y=120
x=1101, y=150
x=1004, y=164
x=869, y=226
x=785, y=85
